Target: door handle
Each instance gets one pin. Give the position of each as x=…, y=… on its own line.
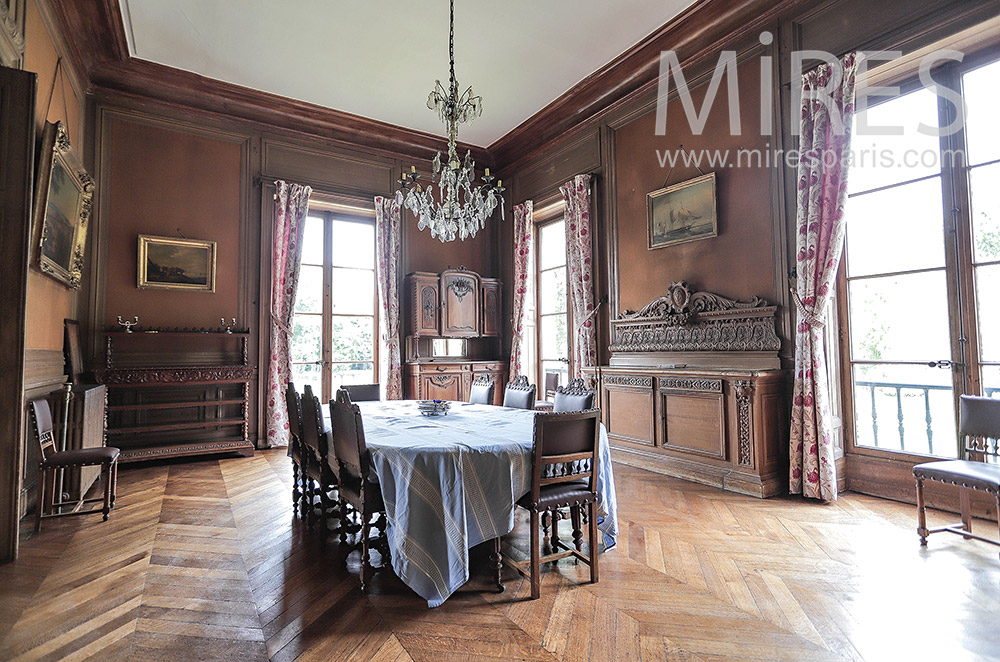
x=944, y=364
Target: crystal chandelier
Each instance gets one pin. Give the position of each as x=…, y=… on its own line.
x=463, y=207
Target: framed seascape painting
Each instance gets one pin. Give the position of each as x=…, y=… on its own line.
x=682, y=212
x=166, y=263
x=64, y=195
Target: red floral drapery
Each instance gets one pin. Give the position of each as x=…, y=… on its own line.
x=387, y=266
x=523, y=236
x=825, y=138
x=580, y=271
x=291, y=201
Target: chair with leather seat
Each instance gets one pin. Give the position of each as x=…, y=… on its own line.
x=363, y=392
x=563, y=475
x=482, y=391
x=979, y=428
x=519, y=394
x=551, y=384
x=351, y=461
x=321, y=481
x=53, y=461
x=575, y=396
x=293, y=403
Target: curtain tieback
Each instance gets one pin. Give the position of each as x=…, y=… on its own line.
x=810, y=318
x=281, y=325
x=581, y=326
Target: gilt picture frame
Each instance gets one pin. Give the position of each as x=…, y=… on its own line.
x=684, y=212
x=169, y=263
x=64, y=198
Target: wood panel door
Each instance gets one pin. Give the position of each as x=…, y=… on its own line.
x=460, y=292
x=426, y=305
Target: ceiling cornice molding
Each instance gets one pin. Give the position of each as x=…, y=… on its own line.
x=694, y=34
x=97, y=44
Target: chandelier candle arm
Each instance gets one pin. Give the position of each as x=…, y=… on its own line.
x=464, y=206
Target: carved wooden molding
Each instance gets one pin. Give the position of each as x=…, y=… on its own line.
x=461, y=287
x=744, y=396
x=683, y=320
x=155, y=451
x=225, y=373
x=628, y=380
x=694, y=384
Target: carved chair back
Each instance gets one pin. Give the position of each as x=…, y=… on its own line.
x=979, y=427
x=565, y=449
x=482, y=391
x=349, y=438
x=293, y=404
x=41, y=415
x=551, y=384
x=313, y=438
x=519, y=394
x=363, y=392
x=575, y=396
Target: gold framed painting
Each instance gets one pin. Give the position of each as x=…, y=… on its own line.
x=684, y=212
x=167, y=263
x=64, y=198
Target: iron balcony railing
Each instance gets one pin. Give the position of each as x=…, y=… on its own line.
x=898, y=388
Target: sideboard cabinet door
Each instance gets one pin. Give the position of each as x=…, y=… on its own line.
x=425, y=304
x=460, y=304
x=491, y=307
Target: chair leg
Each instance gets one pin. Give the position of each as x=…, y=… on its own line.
x=106, y=470
x=921, y=514
x=998, y=509
x=42, y=479
x=554, y=537
x=324, y=504
x=295, y=489
x=536, y=571
x=577, y=527
x=595, y=545
x=343, y=523
x=545, y=524
x=498, y=565
x=966, y=508
x=114, y=482
x=366, y=561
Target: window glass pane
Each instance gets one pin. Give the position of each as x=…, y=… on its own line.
x=353, y=339
x=312, y=241
x=351, y=373
x=905, y=408
x=353, y=292
x=308, y=374
x=309, y=296
x=991, y=381
x=982, y=98
x=353, y=244
x=553, y=337
x=880, y=159
x=988, y=311
x=552, y=298
x=552, y=245
x=986, y=211
x=900, y=318
x=307, y=338
x=898, y=229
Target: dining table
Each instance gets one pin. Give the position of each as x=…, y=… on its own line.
x=451, y=482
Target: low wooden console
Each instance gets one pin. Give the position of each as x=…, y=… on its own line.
x=693, y=390
x=452, y=380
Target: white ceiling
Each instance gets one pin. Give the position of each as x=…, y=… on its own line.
x=380, y=58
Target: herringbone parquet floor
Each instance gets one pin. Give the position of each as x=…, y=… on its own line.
x=204, y=561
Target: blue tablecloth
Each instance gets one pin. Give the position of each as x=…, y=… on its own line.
x=451, y=482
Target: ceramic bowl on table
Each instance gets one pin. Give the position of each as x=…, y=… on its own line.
x=433, y=407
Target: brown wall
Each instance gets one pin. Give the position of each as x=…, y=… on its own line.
x=49, y=301
x=736, y=263
x=174, y=184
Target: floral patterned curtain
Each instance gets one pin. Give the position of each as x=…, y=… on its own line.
x=523, y=237
x=824, y=142
x=580, y=272
x=387, y=265
x=291, y=201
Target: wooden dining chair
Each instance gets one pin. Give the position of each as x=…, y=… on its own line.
x=563, y=475
x=363, y=392
x=321, y=480
x=979, y=468
x=357, y=489
x=519, y=394
x=551, y=384
x=53, y=461
x=575, y=396
x=482, y=391
x=293, y=404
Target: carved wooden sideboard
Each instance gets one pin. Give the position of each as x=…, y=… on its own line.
x=457, y=303
x=178, y=410
x=693, y=390
x=452, y=380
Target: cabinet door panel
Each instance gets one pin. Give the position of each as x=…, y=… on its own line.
x=460, y=304
x=694, y=423
x=442, y=387
x=491, y=308
x=630, y=414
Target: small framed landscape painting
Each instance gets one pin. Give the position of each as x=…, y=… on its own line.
x=167, y=263
x=64, y=195
x=682, y=212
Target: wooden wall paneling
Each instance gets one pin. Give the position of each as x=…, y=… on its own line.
x=628, y=406
x=266, y=225
x=694, y=423
x=327, y=168
x=12, y=33
x=17, y=151
x=571, y=156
